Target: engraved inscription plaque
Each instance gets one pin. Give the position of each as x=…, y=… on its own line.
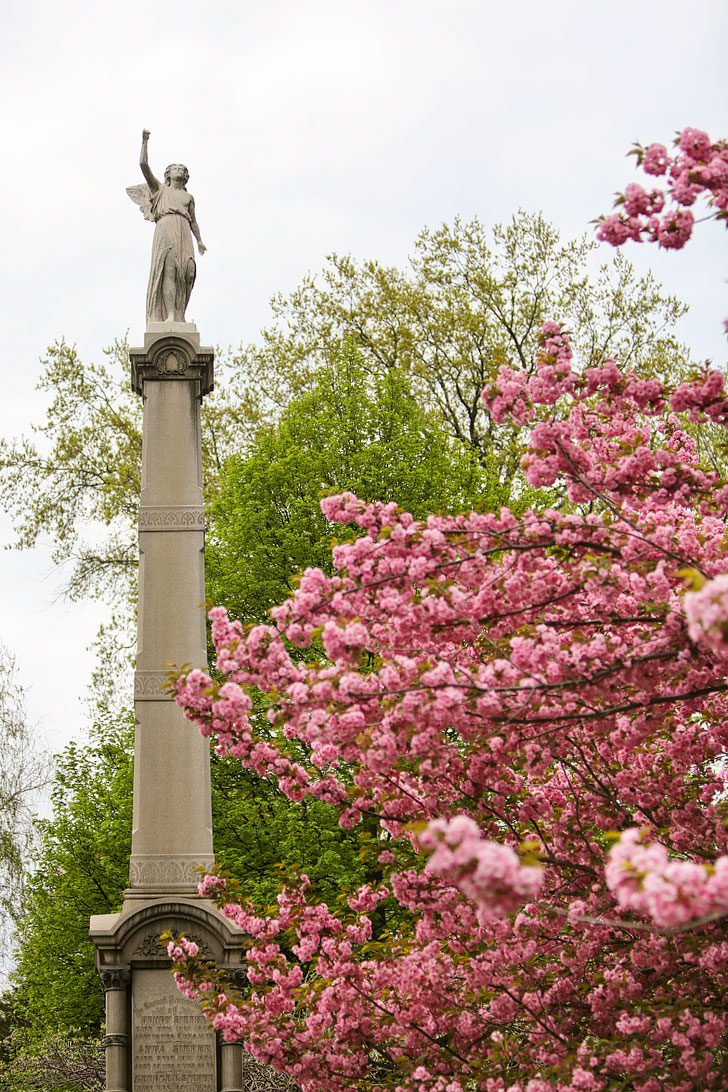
x=173, y=1050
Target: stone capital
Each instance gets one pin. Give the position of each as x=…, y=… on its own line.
x=116, y=979
x=172, y=351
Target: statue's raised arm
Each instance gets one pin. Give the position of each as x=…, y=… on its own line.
x=152, y=182
x=172, y=209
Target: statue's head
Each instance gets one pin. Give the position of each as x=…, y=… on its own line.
x=176, y=172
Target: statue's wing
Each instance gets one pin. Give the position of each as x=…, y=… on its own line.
x=142, y=196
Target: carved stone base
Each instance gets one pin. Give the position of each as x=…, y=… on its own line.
x=156, y=1039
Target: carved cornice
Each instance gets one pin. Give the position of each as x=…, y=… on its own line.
x=171, y=518
x=166, y=872
x=149, y=686
x=115, y=980
x=172, y=357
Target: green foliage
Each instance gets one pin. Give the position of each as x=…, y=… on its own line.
x=352, y=431
x=24, y=771
x=81, y=868
x=370, y=381
x=262, y=837
x=468, y=302
x=82, y=470
x=77, y=480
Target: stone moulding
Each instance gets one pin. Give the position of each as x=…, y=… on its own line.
x=165, y=873
x=115, y=1040
x=149, y=686
x=171, y=518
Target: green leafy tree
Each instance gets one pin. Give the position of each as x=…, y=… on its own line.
x=469, y=301
x=353, y=431
x=25, y=770
x=81, y=868
x=329, y=400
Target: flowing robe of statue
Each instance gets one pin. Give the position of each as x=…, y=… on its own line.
x=172, y=240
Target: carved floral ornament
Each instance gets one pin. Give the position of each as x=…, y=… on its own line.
x=172, y=361
x=151, y=945
x=169, y=517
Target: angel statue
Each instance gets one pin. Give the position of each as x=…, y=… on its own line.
x=172, y=209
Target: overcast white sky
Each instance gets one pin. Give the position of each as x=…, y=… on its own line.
x=308, y=126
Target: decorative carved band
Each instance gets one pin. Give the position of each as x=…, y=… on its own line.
x=115, y=980
x=116, y=1040
x=172, y=518
x=149, y=686
x=165, y=872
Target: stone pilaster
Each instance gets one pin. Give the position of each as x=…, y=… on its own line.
x=116, y=1041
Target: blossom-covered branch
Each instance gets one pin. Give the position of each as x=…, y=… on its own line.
x=698, y=168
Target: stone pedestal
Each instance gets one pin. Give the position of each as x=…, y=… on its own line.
x=157, y=1040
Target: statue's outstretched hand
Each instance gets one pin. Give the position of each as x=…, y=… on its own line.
x=145, y=135
x=201, y=247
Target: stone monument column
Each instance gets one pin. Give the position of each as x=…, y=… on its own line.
x=156, y=1039
x=172, y=825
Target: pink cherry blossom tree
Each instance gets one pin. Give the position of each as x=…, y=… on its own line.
x=533, y=710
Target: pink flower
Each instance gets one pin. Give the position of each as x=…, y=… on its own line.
x=706, y=613
x=655, y=159
x=671, y=892
x=490, y=874
x=676, y=229
x=695, y=143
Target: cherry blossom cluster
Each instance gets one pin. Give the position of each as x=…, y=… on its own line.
x=498, y=692
x=671, y=892
x=706, y=611
x=183, y=949
x=698, y=168
x=491, y=875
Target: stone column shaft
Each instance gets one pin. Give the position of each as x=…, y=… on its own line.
x=116, y=1040
x=172, y=823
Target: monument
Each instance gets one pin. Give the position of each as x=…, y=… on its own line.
x=156, y=1039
